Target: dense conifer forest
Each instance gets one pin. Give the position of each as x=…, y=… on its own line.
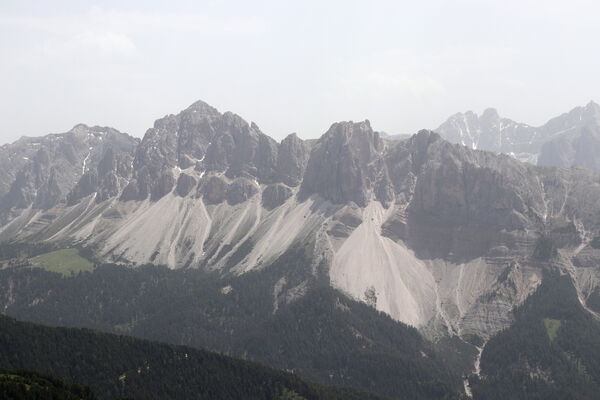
x=118, y=366
x=321, y=335
x=552, y=351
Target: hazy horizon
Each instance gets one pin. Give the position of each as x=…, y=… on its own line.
x=291, y=68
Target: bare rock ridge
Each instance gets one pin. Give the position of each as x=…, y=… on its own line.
x=347, y=164
x=41, y=172
x=571, y=139
x=202, y=139
x=437, y=235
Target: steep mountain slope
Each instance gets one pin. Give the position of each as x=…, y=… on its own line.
x=117, y=366
x=39, y=173
x=551, y=351
x=276, y=316
x=31, y=385
x=570, y=139
x=436, y=235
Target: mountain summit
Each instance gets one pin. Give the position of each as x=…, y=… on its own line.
x=437, y=235
x=571, y=139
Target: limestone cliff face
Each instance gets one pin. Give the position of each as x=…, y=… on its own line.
x=570, y=139
x=211, y=142
x=347, y=164
x=41, y=172
x=437, y=235
x=292, y=159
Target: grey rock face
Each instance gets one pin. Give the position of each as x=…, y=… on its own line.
x=462, y=191
x=211, y=141
x=345, y=221
x=41, y=172
x=185, y=184
x=570, y=139
x=111, y=175
x=292, y=159
x=346, y=164
x=87, y=185
x=164, y=185
x=437, y=249
x=214, y=190
x=489, y=132
x=275, y=195
x=240, y=190
x=457, y=203
x=131, y=191
x=580, y=148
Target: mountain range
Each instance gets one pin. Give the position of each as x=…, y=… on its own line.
x=441, y=236
x=571, y=139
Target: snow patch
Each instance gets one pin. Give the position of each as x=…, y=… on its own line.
x=85, y=161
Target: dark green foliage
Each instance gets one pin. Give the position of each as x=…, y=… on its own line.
x=22, y=251
x=118, y=366
x=544, y=249
x=552, y=351
x=322, y=335
x=31, y=385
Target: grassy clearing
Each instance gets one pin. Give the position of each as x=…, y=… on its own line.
x=552, y=326
x=65, y=262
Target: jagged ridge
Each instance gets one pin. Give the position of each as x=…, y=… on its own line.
x=434, y=234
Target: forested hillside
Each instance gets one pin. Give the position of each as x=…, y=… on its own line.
x=322, y=335
x=118, y=366
x=31, y=385
x=552, y=351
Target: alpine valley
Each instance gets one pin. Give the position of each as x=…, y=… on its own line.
x=413, y=268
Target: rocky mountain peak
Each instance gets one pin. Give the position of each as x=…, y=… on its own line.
x=345, y=164
x=425, y=137
x=207, y=140
x=42, y=171
x=592, y=105
x=569, y=139
x=397, y=222
x=591, y=112
x=490, y=114
x=292, y=159
x=202, y=108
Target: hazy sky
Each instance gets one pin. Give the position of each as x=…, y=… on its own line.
x=293, y=66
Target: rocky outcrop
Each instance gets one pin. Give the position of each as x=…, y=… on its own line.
x=345, y=221
x=490, y=132
x=578, y=148
x=292, y=159
x=200, y=136
x=240, y=190
x=45, y=171
x=163, y=185
x=214, y=190
x=107, y=180
x=456, y=202
x=346, y=164
x=421, y=229
x=275, y=195
x=570, y=139
x=185, y=184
